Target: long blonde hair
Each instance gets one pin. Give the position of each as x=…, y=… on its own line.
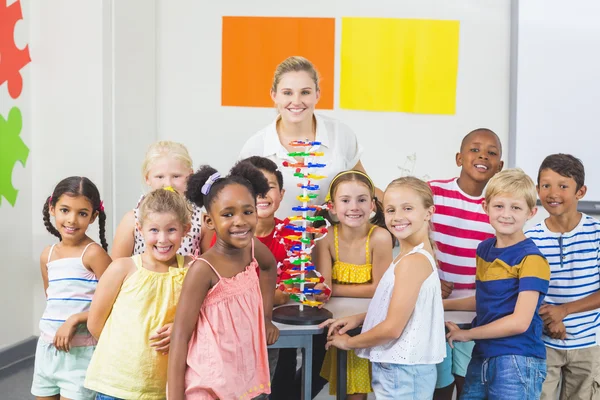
x=424, y=191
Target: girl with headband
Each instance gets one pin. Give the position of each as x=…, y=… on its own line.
x=352, y=261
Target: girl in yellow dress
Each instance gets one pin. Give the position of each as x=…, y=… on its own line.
x=352, y=260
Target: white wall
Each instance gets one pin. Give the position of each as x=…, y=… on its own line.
x=89, y=90
x=16, y=268
x=66, y=43
x=189, y=82
x=558, y=88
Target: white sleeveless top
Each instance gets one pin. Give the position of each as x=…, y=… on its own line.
x=71, y=287
x=423, y=340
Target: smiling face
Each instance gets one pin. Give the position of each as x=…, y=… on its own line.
x=73, y=215
x=508, y=214
x=406, y=216
x=352, y=203
x=296, y=97
x=168, y=171
x=559, y=194
x=480, y=156
x=267, y=205
x=162, y=233
x=232, y=215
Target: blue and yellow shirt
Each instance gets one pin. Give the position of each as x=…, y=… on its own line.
x=502, y=273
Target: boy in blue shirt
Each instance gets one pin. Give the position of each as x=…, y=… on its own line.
x=570, y=240
x=508, y=360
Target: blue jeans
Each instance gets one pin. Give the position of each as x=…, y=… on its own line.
x=396, y=381
x=504, y=377
x=100, y=396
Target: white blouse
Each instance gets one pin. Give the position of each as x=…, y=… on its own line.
x=423, y=340
x=338, y=142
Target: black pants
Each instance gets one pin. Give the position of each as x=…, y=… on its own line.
x=287, y=382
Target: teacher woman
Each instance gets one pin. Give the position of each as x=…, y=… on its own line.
x=295, y=92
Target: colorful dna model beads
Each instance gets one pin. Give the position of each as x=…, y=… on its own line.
x=299, y=276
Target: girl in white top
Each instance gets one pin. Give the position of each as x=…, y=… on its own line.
x=167, y=164
x=296, y=92
x=403, y=330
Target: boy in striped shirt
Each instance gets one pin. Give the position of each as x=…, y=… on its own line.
x=570, y=240
x=459, y=225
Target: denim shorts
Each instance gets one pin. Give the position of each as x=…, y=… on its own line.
x=504, y=377
x=397, y=381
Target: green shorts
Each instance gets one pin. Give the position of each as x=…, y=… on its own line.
x=59, y=372
x=456, y=363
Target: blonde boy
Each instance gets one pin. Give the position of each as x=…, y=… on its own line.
x=512, y=278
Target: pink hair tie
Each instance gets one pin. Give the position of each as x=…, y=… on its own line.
x=101, y=207
x=50, y=200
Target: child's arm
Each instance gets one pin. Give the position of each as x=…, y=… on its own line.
x=463, y=304
x=381, y=246
x=124, y=240
x=510, y=325
x=268, y=279
x=195, y=287
x=44, y=268
x=555, y=314
x=322, y=260
x=106, y=293
x=96, y=260
x=279, y=298
x=534, y=277
x=410, y=273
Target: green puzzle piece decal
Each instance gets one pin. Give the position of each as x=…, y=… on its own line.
x=12, y=149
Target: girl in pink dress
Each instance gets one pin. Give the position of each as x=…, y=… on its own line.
x=223, y=324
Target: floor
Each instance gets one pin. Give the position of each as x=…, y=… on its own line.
x=15, y=383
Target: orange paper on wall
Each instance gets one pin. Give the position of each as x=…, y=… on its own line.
x=254, y=46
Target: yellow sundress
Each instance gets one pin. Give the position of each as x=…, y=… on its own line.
x=359, y=369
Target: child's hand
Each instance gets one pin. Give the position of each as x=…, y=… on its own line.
x=456, y=334
x=64, y=335
x=339, y=341
x=447, y=288
x=323, y=297
x=280, y=298
x=163, y=339
x=556, y=330
x=272, y=332
x=342, y=325
x=552, y=314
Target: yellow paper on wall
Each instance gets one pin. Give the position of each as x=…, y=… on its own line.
x=403, y=65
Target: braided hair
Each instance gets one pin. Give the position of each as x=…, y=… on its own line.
x=76, y=186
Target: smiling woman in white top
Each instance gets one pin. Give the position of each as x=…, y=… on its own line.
x=296, y=92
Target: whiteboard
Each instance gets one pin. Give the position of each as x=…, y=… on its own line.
x=557, y=84
x=189, y=53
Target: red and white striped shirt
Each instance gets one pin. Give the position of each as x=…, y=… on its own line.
x=459, y=224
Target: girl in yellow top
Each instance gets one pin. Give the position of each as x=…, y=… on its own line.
x=352, y=261
x=135, y=298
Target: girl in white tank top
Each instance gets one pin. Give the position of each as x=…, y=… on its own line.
x=403, y=330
